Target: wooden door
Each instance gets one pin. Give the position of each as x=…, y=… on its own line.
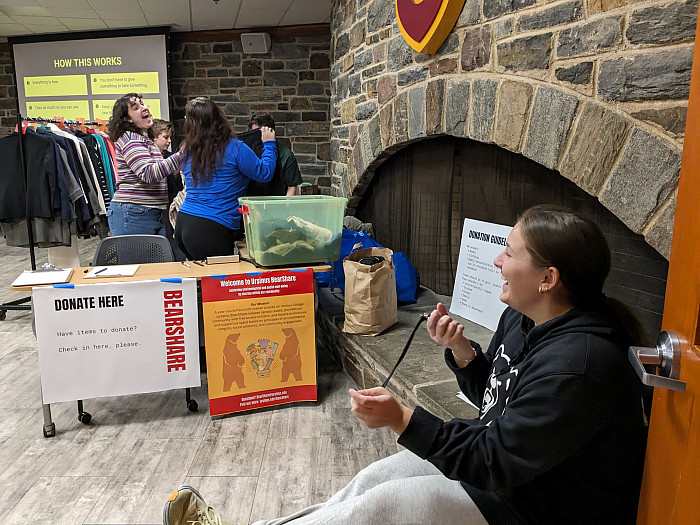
x=672, y=469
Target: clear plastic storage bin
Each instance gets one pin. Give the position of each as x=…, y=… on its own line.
x=293, y=230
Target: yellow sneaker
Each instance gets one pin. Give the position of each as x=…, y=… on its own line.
x=186, y=507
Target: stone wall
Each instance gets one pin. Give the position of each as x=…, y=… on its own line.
x=8, y=92
x=291, y=82
x=595, y=89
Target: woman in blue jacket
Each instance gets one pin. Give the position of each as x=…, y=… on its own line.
x=217, y=169
x=561, y=431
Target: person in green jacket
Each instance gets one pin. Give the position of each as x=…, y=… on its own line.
x=287, y=177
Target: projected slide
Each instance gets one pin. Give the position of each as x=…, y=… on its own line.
x=103, y=108
x=70, y=110
x=125, y=83
x=81, y=79
x=55, y=86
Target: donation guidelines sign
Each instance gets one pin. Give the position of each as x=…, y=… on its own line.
x=260, y=338
x=99, y=340
x=478, y=282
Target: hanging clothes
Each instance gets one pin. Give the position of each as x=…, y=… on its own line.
x=31, y=195
x=65, y=191
x=106, y=164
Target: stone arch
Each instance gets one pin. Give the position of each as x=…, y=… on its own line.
x=631, y=170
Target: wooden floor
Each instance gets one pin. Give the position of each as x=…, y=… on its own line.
x=121, y=467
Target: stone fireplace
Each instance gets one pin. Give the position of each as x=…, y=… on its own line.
x=587, y=98
x=420, y=196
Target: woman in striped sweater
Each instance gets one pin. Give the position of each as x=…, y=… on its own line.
x=142, y=191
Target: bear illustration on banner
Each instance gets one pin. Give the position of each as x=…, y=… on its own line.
x=425, y=24
x=233, y=363
x=291, y=356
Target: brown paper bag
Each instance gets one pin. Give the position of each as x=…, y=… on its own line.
x=370, y=293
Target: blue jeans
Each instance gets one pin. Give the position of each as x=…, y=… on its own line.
x=134, y=219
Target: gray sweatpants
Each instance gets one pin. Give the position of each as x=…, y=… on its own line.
x=400, y=489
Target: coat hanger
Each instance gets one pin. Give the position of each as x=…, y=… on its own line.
x=101, y=125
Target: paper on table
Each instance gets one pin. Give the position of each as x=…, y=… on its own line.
x=121, y=270
x=36, y=277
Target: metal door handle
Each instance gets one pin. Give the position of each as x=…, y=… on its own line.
x=665, y=357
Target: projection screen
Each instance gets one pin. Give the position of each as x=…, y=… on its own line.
x=81, y=75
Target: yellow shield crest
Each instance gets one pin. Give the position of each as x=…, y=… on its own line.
x=425, y=24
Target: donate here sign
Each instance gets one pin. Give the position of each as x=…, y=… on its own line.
x=112, y=339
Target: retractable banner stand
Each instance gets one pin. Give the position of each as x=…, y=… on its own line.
x=260, y=339
x=99, y=340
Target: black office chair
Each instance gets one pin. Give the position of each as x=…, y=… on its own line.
x=134, y=249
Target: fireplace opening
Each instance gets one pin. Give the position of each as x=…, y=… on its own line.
x=418, y=198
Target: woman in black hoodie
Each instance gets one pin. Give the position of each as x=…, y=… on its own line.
x=561, y=431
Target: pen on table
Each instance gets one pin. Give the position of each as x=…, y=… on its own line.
x=185, y=264
x=198, y=263
x=100, y=270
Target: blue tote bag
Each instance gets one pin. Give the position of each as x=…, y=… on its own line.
x=407, y=277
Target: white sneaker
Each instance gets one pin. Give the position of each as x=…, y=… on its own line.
x=186, y=507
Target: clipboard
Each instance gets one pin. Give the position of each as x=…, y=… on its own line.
x=120, y=270
x=37, y=277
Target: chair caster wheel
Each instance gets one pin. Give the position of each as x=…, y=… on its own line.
x=84, y=417
x=49, y=430
x=192, y=405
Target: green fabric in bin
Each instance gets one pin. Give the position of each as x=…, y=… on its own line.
x=297, y=239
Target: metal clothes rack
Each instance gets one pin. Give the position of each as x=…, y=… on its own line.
x=20, y=304
x=49, y=427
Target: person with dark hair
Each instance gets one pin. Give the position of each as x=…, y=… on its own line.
x=561, y=432
x=141, y=192
x=217, y=169
x=287, y=177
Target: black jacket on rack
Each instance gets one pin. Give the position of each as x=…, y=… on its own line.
x=93, y=148
x=37, y=200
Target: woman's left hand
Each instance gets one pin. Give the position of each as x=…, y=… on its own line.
x=377, y=408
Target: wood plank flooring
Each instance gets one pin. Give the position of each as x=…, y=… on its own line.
x=121, y=468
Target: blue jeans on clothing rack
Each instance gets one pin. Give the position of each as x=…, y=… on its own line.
x=134, y=219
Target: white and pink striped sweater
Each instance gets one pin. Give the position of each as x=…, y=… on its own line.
x=142, y=171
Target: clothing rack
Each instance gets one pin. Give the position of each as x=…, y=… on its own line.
x=19, y=304
x=40, y=120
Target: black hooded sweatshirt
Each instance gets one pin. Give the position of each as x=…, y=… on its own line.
x=561, y=432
